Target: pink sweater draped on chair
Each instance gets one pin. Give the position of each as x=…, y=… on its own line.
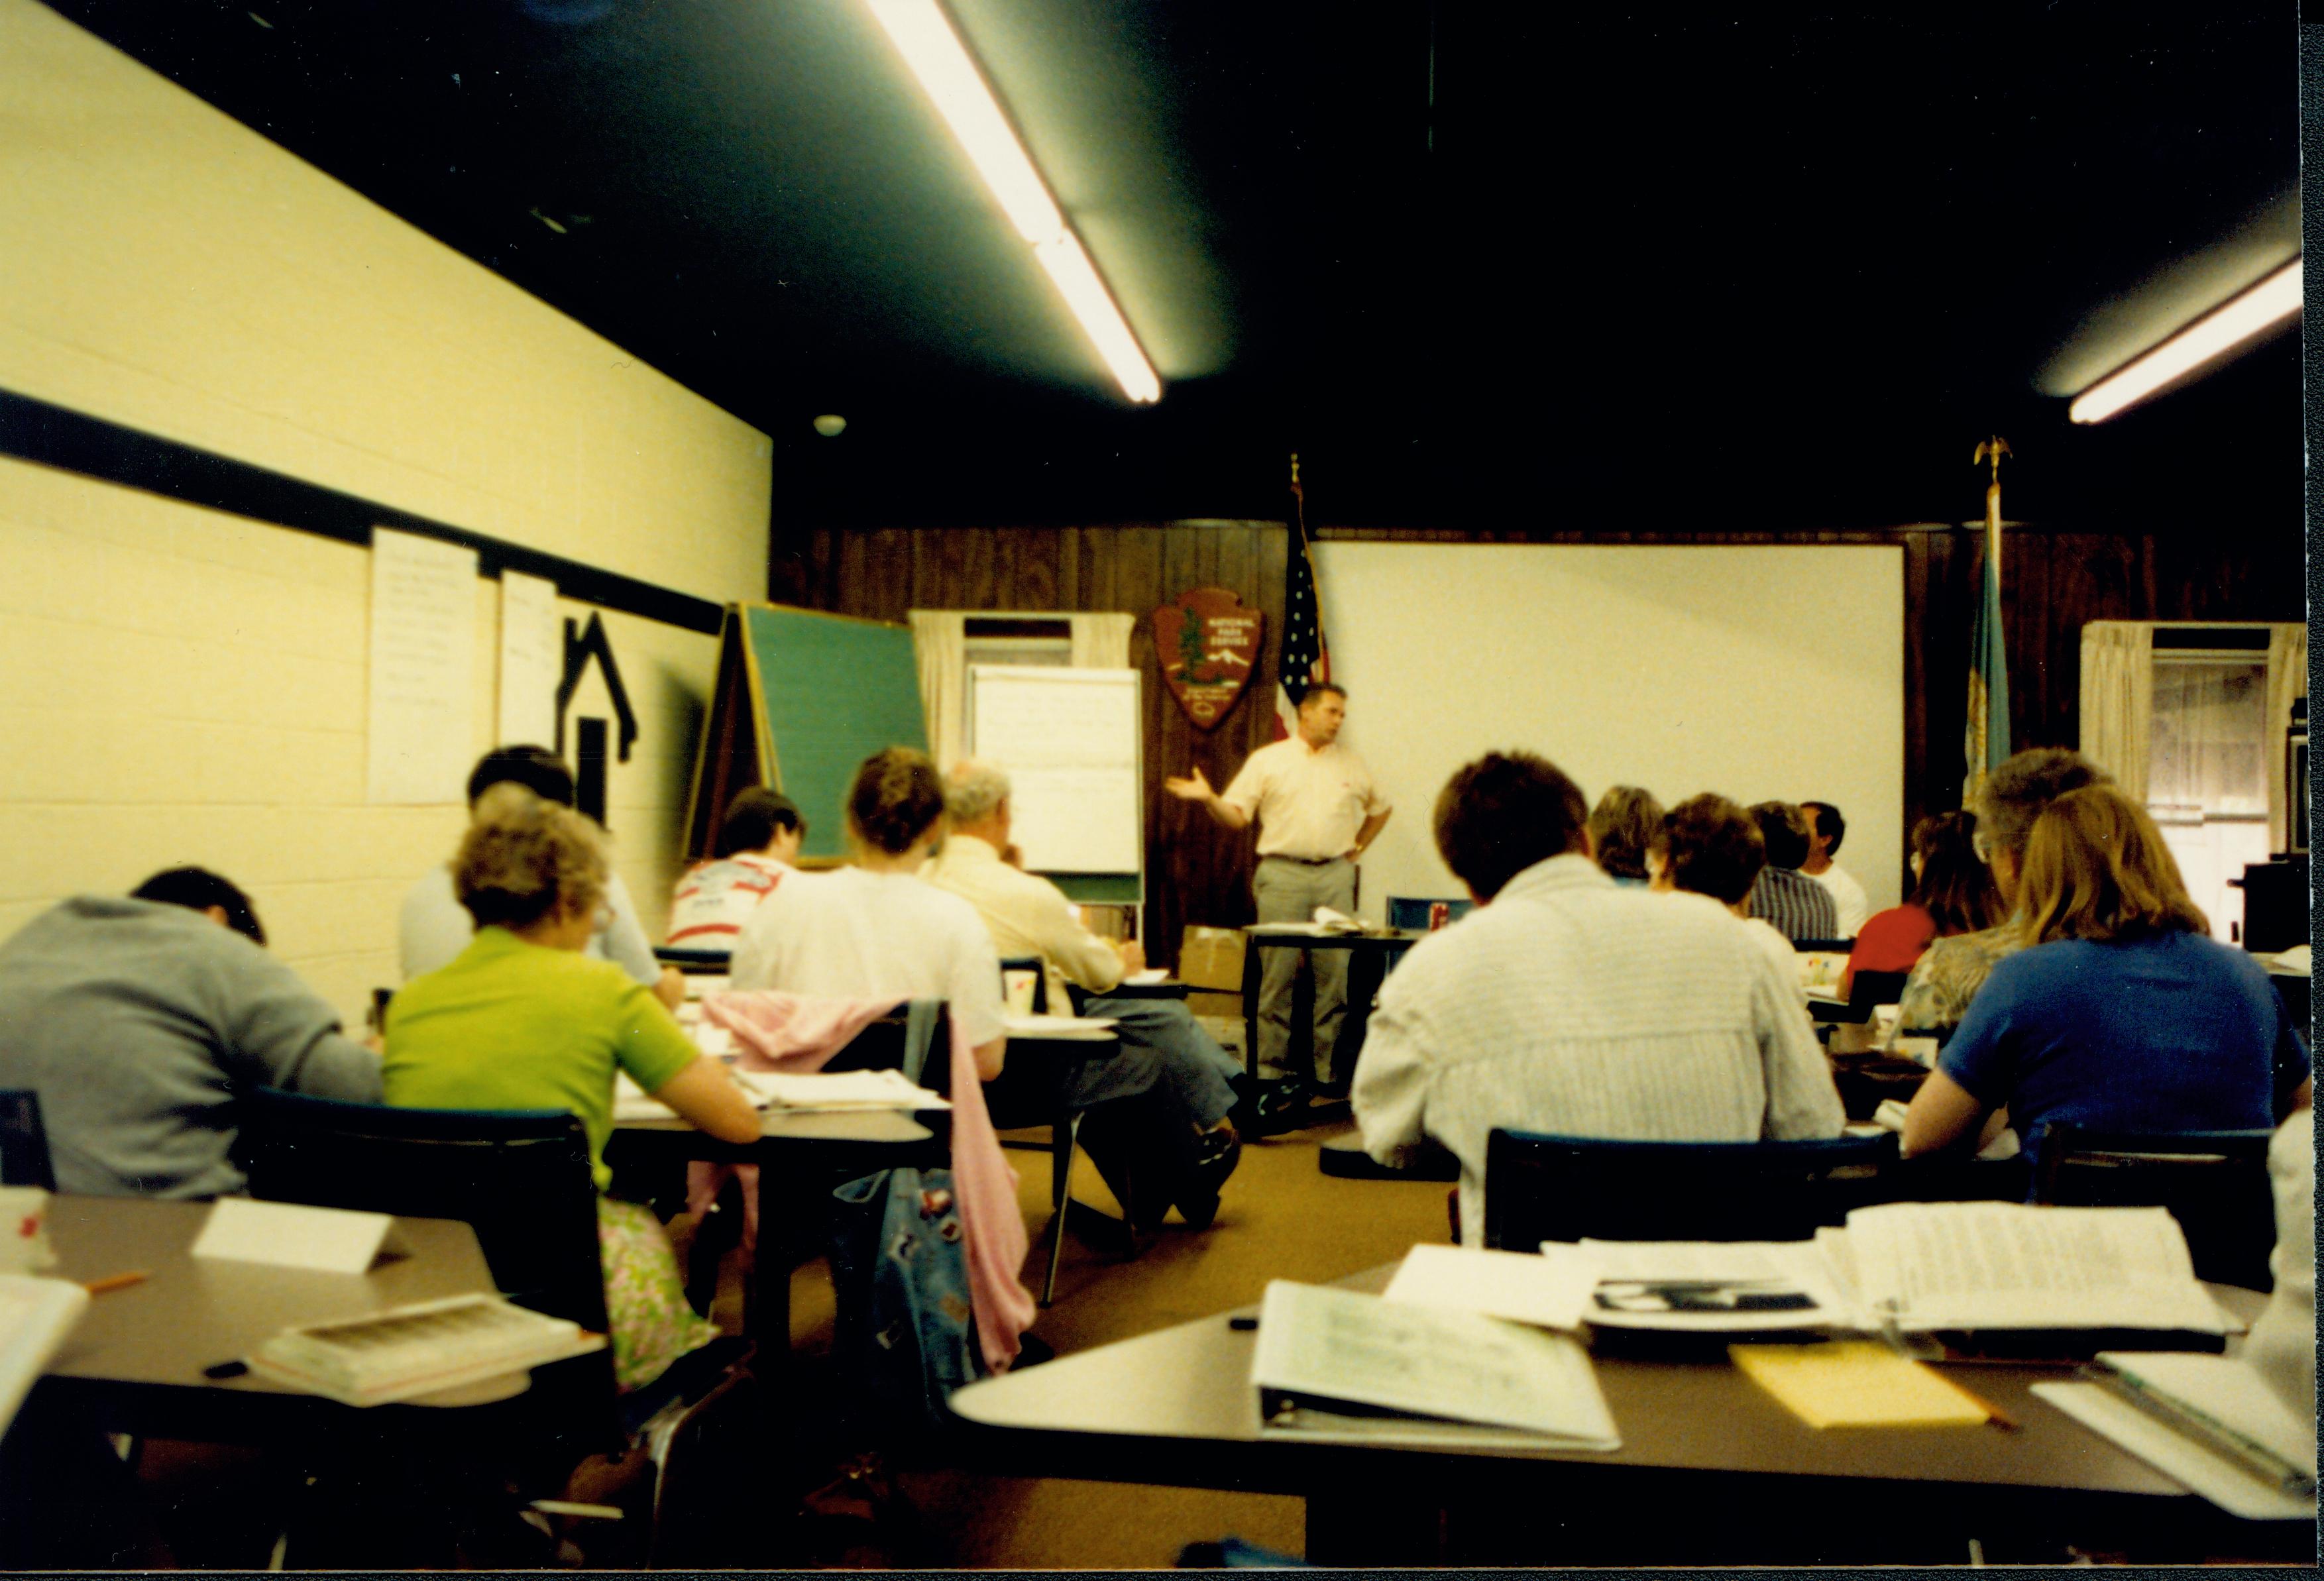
x=798, y=1033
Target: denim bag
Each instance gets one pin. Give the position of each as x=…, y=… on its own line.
x=905, y=1332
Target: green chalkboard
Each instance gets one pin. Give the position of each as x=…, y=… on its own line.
x=831, y=690
x=802, y=698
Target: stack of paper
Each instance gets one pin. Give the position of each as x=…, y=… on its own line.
x=1075, y=1028
x=1857, y=1384
x=1926, y=1267
x=1341, y=1365
x=1548, y=1290
x=820, y=1091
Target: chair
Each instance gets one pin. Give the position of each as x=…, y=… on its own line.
x=1543, y=1188
x=1019, y=1101
x=1869, y=989
x=1823, y=946
x=24, y=1145
x=521, y=1178
x=2215, y=1183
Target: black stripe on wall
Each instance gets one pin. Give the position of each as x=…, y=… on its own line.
x=55, y=436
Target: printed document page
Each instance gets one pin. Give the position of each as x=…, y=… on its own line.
x=2011, y=1266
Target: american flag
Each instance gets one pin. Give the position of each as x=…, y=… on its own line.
x=1306, y=659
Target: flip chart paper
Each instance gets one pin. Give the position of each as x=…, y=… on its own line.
x=423, y=651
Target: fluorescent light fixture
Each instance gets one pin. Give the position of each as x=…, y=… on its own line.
x=2260, y=307
x=923, y=34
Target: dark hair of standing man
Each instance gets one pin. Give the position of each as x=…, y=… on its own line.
x=1504, y=813
x=1824, y=819
x=537, y=768
x=199, y=890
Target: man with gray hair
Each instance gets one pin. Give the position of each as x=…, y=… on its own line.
x=1167, y=1058
x=1946, y=979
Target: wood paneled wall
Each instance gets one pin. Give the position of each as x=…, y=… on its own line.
x=1195, y=871
x=2053, y=582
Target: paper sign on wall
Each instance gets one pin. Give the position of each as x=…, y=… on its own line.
x=423, y=651
x=533, y=657
x=286, y=1235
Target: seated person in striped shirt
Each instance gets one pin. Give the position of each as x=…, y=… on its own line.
x=1794, y=904
x=1567, y=1004
x=757, y=844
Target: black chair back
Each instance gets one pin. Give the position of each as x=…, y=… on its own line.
x=1868, y=988
x=24, y=1145
x=520, y=1177
x=2215, y=1183
x=1544, y=1187
x=1823, y=946
x=884, y=1045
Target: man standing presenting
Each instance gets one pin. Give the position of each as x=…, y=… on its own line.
x=1318, y=810
x=1826, y=830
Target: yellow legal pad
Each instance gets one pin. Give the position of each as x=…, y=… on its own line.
x=1855, y=1384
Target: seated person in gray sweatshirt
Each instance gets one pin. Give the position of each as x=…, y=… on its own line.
x=138, y=1022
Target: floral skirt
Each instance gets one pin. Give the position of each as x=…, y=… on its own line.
x=645, y=1298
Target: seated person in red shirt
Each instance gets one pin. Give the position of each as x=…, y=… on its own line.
x=1952, y=893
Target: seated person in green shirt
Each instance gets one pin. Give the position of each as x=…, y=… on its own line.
x=523, y=1019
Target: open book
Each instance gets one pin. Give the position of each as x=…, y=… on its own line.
x=1338, y=1364
x=1929, y=1266
x=424, y=1349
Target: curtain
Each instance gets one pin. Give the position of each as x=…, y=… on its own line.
x=2287, y=678
x=2118, y=700
x=1101, y=642
x=937, y=644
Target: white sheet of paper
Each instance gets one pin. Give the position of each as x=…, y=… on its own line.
x=423, y=652
x=1548, y=1289
x=288, y=1235
x=532, y=659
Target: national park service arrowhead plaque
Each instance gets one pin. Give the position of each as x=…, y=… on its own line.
x=1207, y=644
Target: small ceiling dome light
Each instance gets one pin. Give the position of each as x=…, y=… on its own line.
x=831, y=425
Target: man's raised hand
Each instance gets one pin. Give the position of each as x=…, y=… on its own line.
x=1194, y=788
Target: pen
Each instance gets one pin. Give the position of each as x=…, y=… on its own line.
x=114, y=1281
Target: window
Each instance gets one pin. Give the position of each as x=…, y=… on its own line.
x=2207, y=772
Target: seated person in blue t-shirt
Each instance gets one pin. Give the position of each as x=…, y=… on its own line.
x=2122, y=1014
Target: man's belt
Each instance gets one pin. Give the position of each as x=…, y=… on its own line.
x=1276, y=856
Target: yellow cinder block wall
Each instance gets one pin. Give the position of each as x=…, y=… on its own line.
x=181, y=686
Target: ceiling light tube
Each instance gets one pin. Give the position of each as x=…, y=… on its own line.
x=924, y=35
x=2258, y=309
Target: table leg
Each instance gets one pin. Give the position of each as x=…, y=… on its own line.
x=1250, y=978
x=1364, y=1524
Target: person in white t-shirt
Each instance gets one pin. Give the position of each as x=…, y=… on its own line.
x=757, y=845
x=1826, y=830
x=1709, y=846
x=877, y=929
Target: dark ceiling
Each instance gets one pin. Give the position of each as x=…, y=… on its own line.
x=1482, y=266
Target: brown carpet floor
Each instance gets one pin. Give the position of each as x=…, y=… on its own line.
x=1280, y=1217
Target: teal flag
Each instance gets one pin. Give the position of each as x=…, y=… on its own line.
x=1988, y=737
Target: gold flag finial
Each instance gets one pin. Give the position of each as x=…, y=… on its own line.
x=1997, y=447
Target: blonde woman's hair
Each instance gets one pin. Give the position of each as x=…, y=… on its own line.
x=2096, y=868
x=524, y=857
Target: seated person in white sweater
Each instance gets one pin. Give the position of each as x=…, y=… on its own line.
x=434, y=928
x=1568, y=1004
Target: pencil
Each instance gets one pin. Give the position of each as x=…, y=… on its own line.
x=1993, y=1414
x=114, y=1281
